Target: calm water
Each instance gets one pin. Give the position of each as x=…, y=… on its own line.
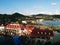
x=16, y=41
x=6, y=40
x=49, y=22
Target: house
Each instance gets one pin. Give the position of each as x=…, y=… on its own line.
x=41, y=33
x=18, y=29
x=2, y=29
x=24, y=22
x=13, y=28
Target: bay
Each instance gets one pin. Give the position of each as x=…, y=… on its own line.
x=50, y=22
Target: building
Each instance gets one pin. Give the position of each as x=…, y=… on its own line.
x=24, y=22
x=39, y=34
x=2, y=29
x=13, y=28
x=18, y=29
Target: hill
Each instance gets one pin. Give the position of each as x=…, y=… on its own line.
x=7, y=18
x=12, y=18
x=46, y=16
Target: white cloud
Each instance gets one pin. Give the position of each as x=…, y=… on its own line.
x=56, y=12
x=31, y=13
x=54, y=3
x=46, y=13
x=41, y=12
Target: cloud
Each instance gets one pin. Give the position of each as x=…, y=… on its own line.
x=54, y=3
x=41, y=12
x=56, y=12
x=33, y=10
x=32, y=13
x=46, y=13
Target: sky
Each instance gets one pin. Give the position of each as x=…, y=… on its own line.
x=29, y=7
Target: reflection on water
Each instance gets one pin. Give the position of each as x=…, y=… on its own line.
x=16, y=40
x=49, y=22
x=6, y=40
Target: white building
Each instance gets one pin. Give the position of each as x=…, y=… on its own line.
x=2, y=30
x=24, y=22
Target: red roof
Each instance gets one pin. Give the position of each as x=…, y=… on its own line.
x=14, y=26
x=36, y=33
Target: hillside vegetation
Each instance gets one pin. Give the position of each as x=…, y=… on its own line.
x=10, y=18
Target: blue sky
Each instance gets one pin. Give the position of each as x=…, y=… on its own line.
x=28, y=7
